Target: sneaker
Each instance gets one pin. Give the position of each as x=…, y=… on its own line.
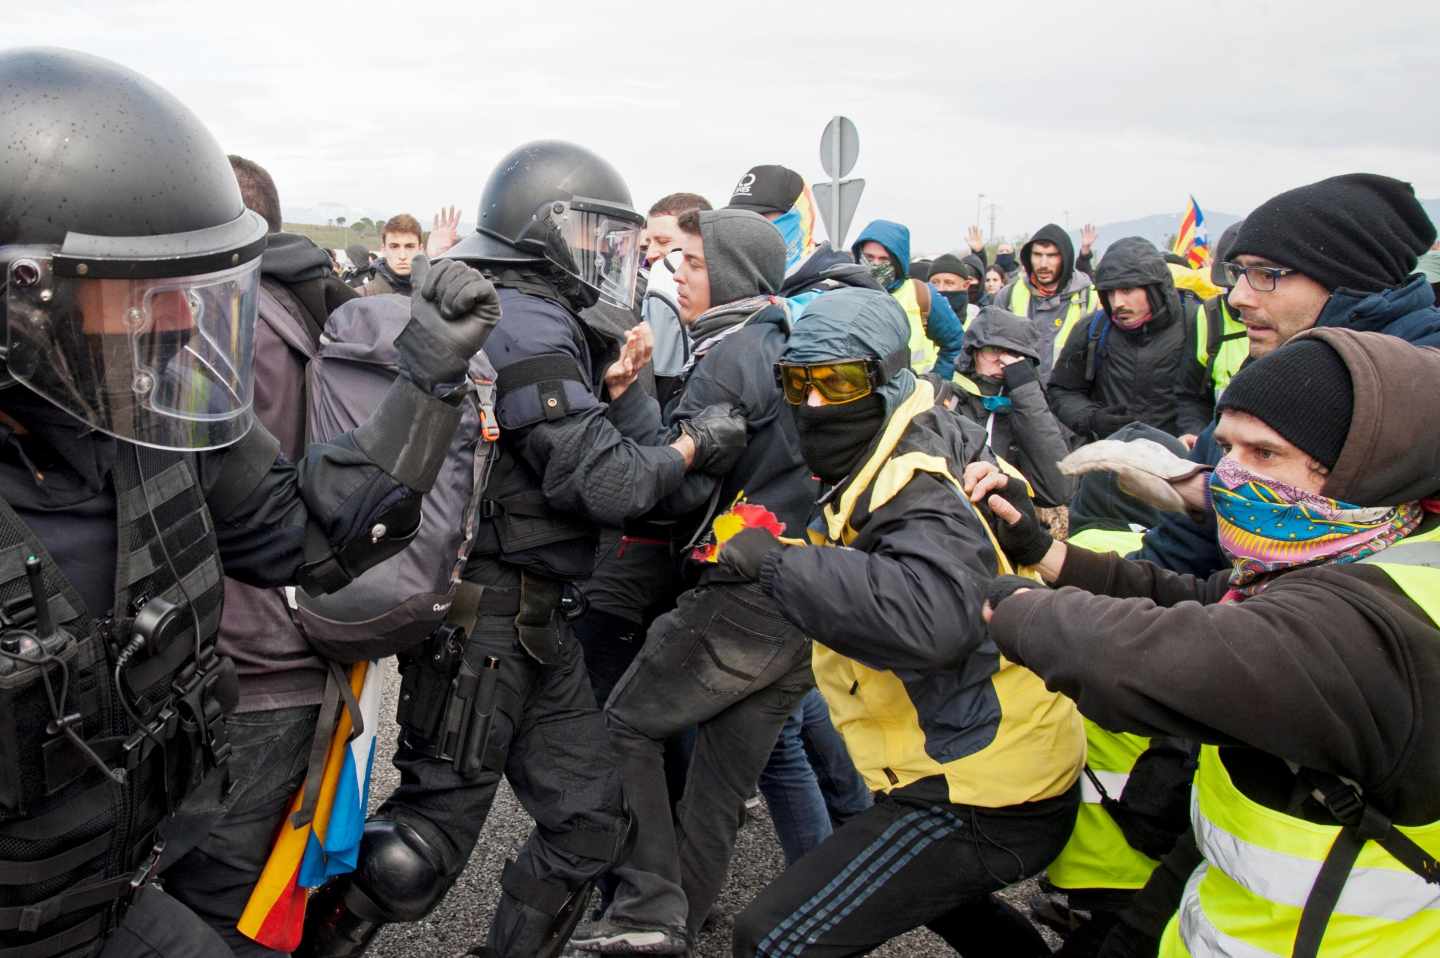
x=610, y=937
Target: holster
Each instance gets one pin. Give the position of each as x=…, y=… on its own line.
x=538, y=623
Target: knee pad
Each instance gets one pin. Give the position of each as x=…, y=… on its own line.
x=400, y=875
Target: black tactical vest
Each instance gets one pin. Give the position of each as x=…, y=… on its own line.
x=74, y=842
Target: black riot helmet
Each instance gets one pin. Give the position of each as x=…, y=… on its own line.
x=130, y=263
x=555, y=202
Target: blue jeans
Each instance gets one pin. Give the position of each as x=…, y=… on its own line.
x=810, y=785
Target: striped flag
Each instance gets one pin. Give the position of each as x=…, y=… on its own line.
x=1191, y=240
x=304, y=857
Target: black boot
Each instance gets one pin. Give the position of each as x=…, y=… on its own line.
x=334, y=927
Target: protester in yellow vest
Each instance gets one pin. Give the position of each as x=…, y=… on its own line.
x=935, y=334
x=1051, y=291
x=1225, y=345
x=1135, y=793
x=1310, y=670
x=956, y=742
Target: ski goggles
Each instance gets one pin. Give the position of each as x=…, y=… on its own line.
x=839, y=381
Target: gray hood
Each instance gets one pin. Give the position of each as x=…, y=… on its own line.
x=744, y=255
x=998, y=327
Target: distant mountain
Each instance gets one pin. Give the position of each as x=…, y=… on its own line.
x=1162, y=226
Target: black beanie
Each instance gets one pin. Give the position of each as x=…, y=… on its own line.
x=947, y=263
x=1360, y=231
x=1302, y=391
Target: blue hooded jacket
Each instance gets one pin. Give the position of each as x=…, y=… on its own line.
x=943, y=326
x=1409, y=312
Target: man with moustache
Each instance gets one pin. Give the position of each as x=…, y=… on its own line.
x=1052, y=291
x=1136, y=359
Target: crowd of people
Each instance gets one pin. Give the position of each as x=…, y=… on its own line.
x=1097, y=567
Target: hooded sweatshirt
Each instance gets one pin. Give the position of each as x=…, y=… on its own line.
x=1048, y=312
x=1107, y=376
x=942, y=326
x=1025, y=433
x=736, y=345
x=1332, y=667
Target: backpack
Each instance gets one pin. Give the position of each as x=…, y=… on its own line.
x=922, y=299
x=398, y=603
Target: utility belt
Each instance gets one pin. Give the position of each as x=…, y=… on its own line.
x=450, y=683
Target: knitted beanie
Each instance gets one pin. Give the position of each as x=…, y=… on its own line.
x=1360, y=231
x=1302, y=391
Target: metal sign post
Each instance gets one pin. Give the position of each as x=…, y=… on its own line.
x=838, y=199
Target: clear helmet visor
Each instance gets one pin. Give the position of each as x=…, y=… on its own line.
x=598, y=244
x=164, y=362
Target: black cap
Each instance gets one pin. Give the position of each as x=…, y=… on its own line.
x=1302, y=391
x=767, y=189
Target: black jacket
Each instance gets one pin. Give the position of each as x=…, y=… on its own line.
x=591, y=463
x=1026, y=434
x=739, y=369
x=826, y=269
x=1151, y=374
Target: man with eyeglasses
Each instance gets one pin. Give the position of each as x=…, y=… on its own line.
x=724, y=659
x=972, y=761
x=1337, y=253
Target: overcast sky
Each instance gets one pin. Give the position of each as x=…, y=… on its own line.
x=1109, y=110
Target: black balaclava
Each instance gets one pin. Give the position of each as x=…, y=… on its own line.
x=1007, y=262
x=958, y=300
x=833, y=438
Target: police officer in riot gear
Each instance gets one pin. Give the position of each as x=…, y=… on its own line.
x=130, y=469
x=578, y=449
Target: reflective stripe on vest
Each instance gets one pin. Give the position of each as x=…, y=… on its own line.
x=1233, y=349
x=1097, y=854
x=1083, y=302
x=923, y=351
x=1260, y=863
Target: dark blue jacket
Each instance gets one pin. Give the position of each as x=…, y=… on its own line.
x=943, y=326
x=1182, y=545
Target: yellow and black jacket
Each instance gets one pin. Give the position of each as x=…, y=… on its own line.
x=913, y=682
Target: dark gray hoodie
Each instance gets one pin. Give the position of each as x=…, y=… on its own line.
x=1026, y=434
x=742, y=251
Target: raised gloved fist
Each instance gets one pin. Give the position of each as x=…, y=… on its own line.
x=1016, y=526
x=1143, y=469
x=719, y=435
x=453, y=308
x=745, y=552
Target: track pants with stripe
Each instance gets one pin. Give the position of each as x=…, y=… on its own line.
x=908, y=862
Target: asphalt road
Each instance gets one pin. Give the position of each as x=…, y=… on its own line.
x=463, y=917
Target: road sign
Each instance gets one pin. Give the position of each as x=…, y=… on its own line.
x=839, y=147
x=837, y=209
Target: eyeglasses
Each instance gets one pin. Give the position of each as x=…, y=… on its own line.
x=1262, y=279
x=838, y=382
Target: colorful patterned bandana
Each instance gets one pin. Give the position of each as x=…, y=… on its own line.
x=1267, y=527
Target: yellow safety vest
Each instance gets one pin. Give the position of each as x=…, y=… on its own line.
x=1231, y=351
x=923, y=351
x=1246, y=898
x=1038, y=747
x=1083, y=302
x=1097, y=855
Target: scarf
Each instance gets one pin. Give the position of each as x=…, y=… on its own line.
x=1268, y=527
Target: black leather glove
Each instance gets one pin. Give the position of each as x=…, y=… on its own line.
x=1004, y=586
x=744, y=552
x=452, y=310
x=719, y=436
x=1018, y=374
x=1027, y=541
x=1106, y=421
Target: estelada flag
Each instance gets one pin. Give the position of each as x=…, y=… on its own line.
x=1191, y=241
x=306, y=855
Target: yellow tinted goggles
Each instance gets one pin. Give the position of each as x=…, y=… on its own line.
x=838, y=382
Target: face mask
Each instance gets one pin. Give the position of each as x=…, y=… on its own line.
x=976, y=293
x=999, y=404
x=1006, y=261
x=791, y=234
x=958, y=300
x=884, y=273
x=1267, y=526
x=833, y=438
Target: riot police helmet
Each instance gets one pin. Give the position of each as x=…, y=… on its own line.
x=129, y=265
x=558, y=203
